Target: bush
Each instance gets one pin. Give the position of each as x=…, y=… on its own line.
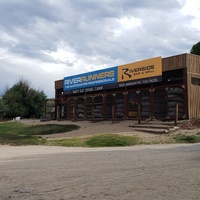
x=188, y=138
x=111, y=140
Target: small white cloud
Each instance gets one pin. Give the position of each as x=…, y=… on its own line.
x=63, y=56
x=7, y=39
x=125, y=24
x=192, y=8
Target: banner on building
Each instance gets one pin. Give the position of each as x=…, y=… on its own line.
x=140, y=70
x=91, y=79
x=137, y=73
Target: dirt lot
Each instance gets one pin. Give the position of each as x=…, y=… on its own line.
x=104, y=127
x=126, y=173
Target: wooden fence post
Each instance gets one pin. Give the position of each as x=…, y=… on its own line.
x=92, y=114
x=74, y=113
x=139, y=114
x=176, y=114
x=113, y=113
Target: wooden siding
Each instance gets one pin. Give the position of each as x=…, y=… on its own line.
x=174, y=62
x=59, y=84
x=194, y=101
x=193, y=64
x=193, y=71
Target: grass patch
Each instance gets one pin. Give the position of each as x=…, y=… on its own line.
x=14, y=133
x=105, y=140
x=48, y=129
x=111, y=140
x=14, y=139
x=188, y=138
x=70, y=142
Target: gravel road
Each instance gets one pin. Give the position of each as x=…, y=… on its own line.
x=127, y=173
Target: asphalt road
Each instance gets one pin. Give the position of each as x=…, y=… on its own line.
x=132, y=173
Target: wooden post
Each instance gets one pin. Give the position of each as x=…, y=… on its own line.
x=113, y=114
x=58, y=112
x=74, y=113
x=139, y=114
x=176, y=114
x=104, y=106
x=92, y=114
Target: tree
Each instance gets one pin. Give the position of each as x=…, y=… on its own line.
x=22, y=100
x=195, y=49
x=1, y=109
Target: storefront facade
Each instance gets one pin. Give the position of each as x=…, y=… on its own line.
x=149, y=89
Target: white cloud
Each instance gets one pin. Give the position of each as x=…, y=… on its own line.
x=44, y=41
x=125, y=24
x=7, y=39
x=63, y=54
x=192, y=8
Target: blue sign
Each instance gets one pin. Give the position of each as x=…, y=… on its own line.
x=91, y=79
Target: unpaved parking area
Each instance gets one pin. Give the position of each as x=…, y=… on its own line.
x=139, y=172
x=104, y=127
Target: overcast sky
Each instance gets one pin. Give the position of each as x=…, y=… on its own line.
x=46, y=40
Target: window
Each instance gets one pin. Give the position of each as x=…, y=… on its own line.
x=195, y=81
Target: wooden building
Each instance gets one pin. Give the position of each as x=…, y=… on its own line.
x=157, y=96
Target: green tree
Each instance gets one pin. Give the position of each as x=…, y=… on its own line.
x=195, y=49
x=22, y=100
x=1, y=109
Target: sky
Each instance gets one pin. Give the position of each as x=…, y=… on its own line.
x=46, y=40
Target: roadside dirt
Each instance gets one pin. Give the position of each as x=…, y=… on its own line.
x=167, y=171
x=121, y=173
